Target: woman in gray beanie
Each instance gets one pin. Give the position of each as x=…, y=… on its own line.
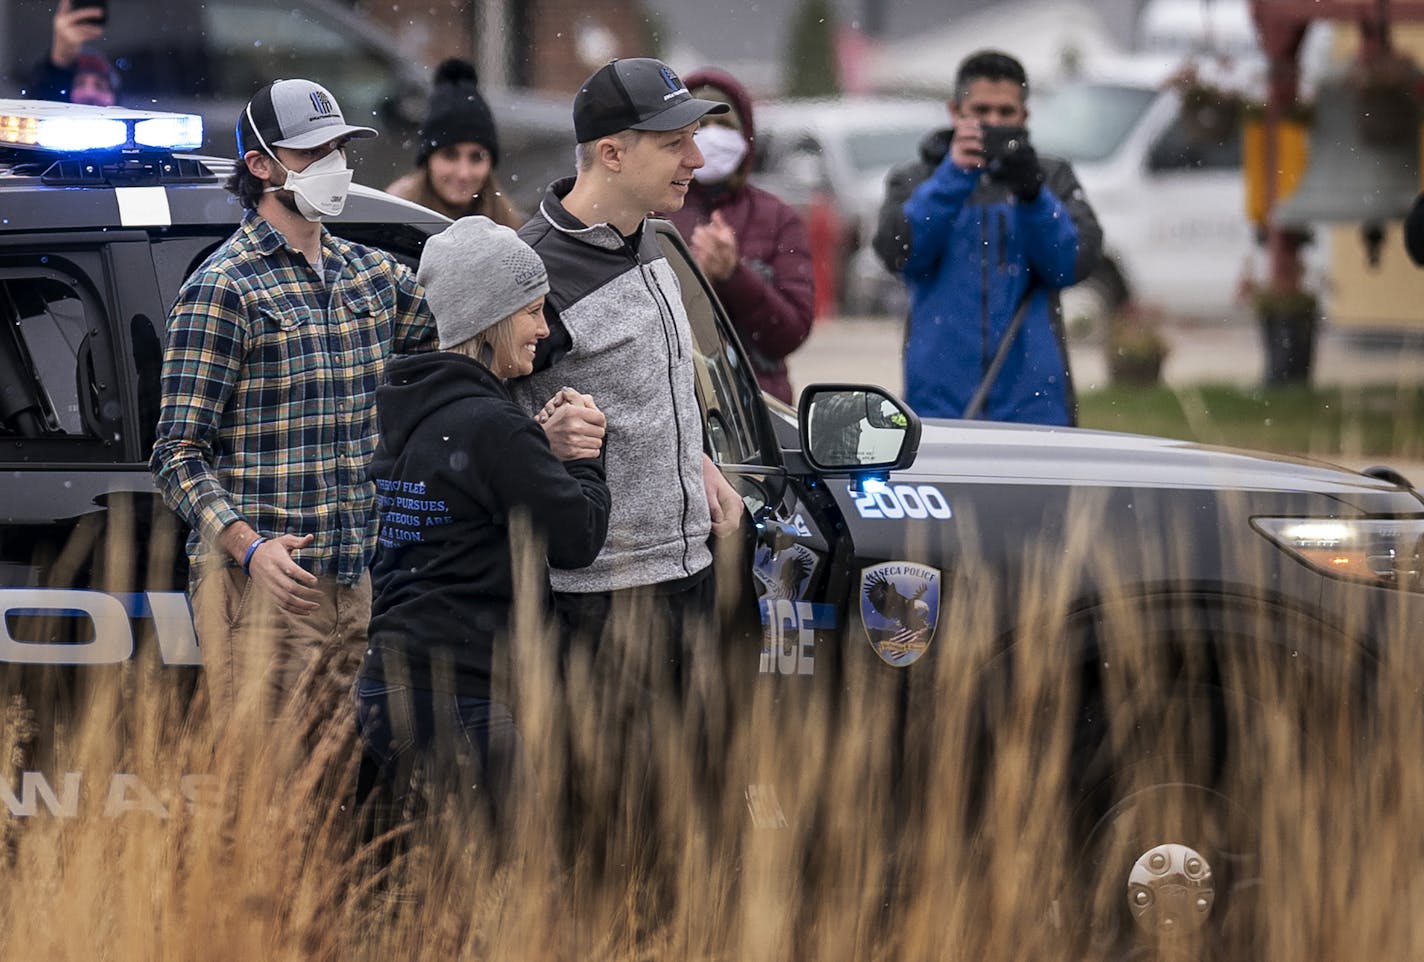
x=459, y=151
x=458, y=464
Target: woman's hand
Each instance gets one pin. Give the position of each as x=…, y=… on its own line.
x=573, y=424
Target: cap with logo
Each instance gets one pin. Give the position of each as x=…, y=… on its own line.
x=638, y=93
x=297, y=114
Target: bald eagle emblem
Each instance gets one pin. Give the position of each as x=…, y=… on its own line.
x=899, y=606
x=786, y=573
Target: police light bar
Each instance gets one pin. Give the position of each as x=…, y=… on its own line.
x=46, y=125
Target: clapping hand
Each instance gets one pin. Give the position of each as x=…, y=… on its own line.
x=714, y=247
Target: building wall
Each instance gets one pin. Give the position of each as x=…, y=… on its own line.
x=427, y=31
x=552, y=45
x=1390, y=296
x=569, y=39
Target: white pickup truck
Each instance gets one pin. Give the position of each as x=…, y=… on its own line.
x=1172, y=209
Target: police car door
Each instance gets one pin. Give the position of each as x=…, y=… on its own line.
x=78, y=324
x=790, y=557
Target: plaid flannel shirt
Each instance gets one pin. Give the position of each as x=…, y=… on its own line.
x=268, y=405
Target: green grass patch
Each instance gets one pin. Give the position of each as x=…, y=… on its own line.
x=1366, y=420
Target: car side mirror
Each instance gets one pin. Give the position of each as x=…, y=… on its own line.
x=856, y=428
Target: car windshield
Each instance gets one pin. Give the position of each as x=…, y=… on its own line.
x=873, y=150
x=1087, y=122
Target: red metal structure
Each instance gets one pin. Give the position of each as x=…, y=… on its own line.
x=1282, y=25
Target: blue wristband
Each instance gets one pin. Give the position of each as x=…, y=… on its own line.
x=247, y=558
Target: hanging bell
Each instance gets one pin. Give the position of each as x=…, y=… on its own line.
x=1347, y=180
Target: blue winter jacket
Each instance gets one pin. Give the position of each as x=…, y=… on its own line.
x=968, y=251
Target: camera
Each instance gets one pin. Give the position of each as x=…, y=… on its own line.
x=1001, y=145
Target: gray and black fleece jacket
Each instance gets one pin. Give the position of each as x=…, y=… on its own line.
x=618, y=331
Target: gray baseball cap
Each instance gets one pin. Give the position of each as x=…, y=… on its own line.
x=638, y=93
x=298, y=114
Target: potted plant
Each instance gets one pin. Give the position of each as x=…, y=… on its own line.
x=1209, y=112
x=1135, y=346
x=1289, y=319
x=1387, y=90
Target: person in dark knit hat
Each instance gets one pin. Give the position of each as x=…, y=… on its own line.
x=458, y=467
x=458, y=153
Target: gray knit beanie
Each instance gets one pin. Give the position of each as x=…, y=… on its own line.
x=475, y=274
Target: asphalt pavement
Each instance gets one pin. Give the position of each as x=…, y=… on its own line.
x=867, y=350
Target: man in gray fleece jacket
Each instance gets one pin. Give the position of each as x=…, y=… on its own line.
x=618, y=332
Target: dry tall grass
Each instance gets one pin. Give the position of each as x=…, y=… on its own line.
x=983, y=805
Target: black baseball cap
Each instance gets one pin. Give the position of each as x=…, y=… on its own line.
x=638, y=93
x=298, y=114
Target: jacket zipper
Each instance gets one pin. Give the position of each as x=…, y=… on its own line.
x=983, y=295
x=664, y=315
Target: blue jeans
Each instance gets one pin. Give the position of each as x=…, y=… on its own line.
x=429, y=746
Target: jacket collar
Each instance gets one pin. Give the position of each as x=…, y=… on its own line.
x=605, y=236
x=936, y=145
x=267, y=240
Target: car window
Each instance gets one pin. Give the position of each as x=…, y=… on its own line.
x=51, y=387
x=1177, y=150
x=1087, y=122
x=874, y=150
x=726, y=389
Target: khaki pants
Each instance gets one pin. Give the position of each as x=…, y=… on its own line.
x=254, y=650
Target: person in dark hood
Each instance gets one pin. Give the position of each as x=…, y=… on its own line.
x=751, y=245
x=455, y=164
x=459, y=468
x=74, y=72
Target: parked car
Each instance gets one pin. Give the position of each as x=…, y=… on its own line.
x=838, y=152
x=866, y=528
x=209, y=58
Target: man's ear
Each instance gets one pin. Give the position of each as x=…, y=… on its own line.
x=259, y=165
x=608, y=152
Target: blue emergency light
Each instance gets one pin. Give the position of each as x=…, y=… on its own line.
x=70, y=128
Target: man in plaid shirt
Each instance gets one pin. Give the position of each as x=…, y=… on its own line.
x=275, y=348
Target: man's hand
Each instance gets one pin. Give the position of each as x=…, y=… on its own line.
x=288, y=583
x=271, y=567
x=714, y=247
x=967, y=146
x=573, y=424
x=1020, y=173
x=723, y=501
x=72, y=30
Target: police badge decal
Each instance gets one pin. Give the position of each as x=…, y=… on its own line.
x=899, y=607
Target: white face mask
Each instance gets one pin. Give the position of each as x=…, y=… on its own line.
x=723, y=150
x=321, y=189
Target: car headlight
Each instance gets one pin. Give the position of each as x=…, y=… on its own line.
x=1386, y=552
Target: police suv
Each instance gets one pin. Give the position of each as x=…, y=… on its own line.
x=869, y=529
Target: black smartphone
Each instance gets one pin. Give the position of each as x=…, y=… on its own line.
x=1001, y=141
x=101, y=5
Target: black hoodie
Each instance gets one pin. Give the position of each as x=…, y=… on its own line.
x=456, y=461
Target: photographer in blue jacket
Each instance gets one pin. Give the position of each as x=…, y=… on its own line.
x=986, y=233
